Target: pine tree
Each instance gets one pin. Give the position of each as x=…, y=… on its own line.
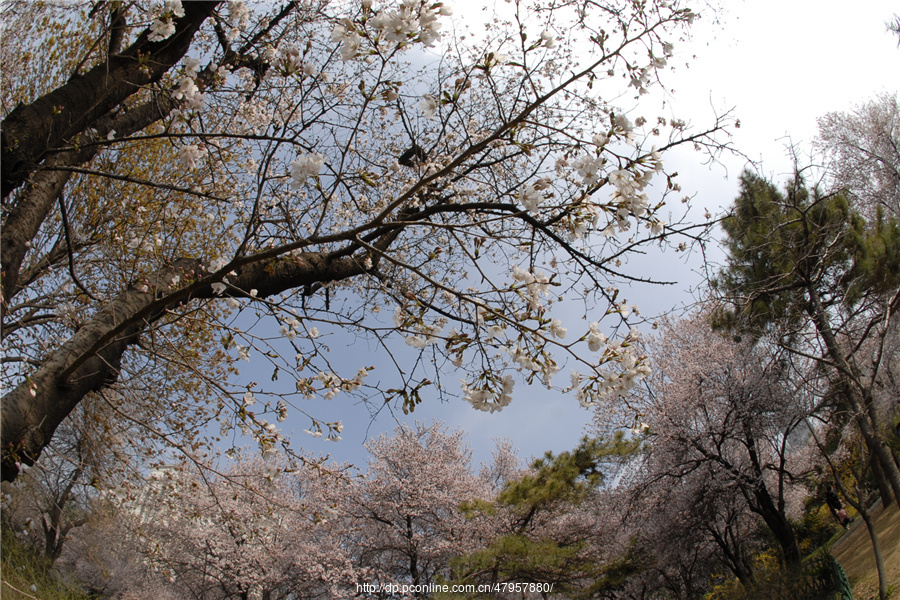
x=806, y=269
x=552, y=534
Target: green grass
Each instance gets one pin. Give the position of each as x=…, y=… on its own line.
x=21, y=568
x=854, y=551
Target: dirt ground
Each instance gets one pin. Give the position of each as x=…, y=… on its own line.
x=854, y=552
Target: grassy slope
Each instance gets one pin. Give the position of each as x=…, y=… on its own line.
x=20, y=568
x=854, y=552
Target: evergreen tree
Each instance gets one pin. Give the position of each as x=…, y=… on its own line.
x=552, y=534
x=806, y=269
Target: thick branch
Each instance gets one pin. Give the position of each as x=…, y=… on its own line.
x=36, y=200
x=90, y=360
x=31, y=130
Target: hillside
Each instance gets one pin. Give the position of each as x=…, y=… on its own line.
x=854, y=552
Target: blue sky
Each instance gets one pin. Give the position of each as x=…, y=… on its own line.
x=781, y=65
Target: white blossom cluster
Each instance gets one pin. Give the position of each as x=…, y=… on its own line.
x=238, y=18
x=412, y=21
x=289, y=61
x=268, y=438
x=304, y=167
x=190, y=155
x=536, y=285
x=533, y=196
x=329, y=384
x=346, y=35
x=333, y=428
x=429, y=106
x=191, y=66
x=162, y=17
x=547, y=39
x=265, y=434
x=628, y=197
x=590, y=167
x=641, y=78
x=493, y=393
x=526, y=353
x=604, y=384
x=190, y=95
x=543, y=364
x=488, y=399
x=595, y=338
x=290, y=328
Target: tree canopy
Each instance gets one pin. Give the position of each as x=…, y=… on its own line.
x=189, y=185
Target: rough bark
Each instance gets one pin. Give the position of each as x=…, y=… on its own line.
x=778, y=525
x=24, y=221
x=91, y=358
x=33, y=130
x=58, y=130
x=46, y=181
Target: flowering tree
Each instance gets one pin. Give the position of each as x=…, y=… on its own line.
x=689, y=529
x=50, y=498
x=60, y=491
x=265, y=528
x=404, y=521
x=726, y=411
x=864, y=152
x=259, y=529
x=107, y=562
x=175, y=173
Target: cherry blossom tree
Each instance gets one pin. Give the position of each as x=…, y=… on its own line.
x=172, y=170
x=723, y=411
x=683, y=532
x=259, y=529
x=404, y=518
x=279, y=530
x=59, y=492
x=864, y=151
x=107, y=562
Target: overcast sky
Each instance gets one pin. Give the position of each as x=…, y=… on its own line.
x=781, y=64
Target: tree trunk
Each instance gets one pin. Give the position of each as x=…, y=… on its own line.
x=876, y=550
x=31, y=130
x=779, y=526
x=860, y=505
x=884, y=488
x=862, y=411
x=90, y=359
